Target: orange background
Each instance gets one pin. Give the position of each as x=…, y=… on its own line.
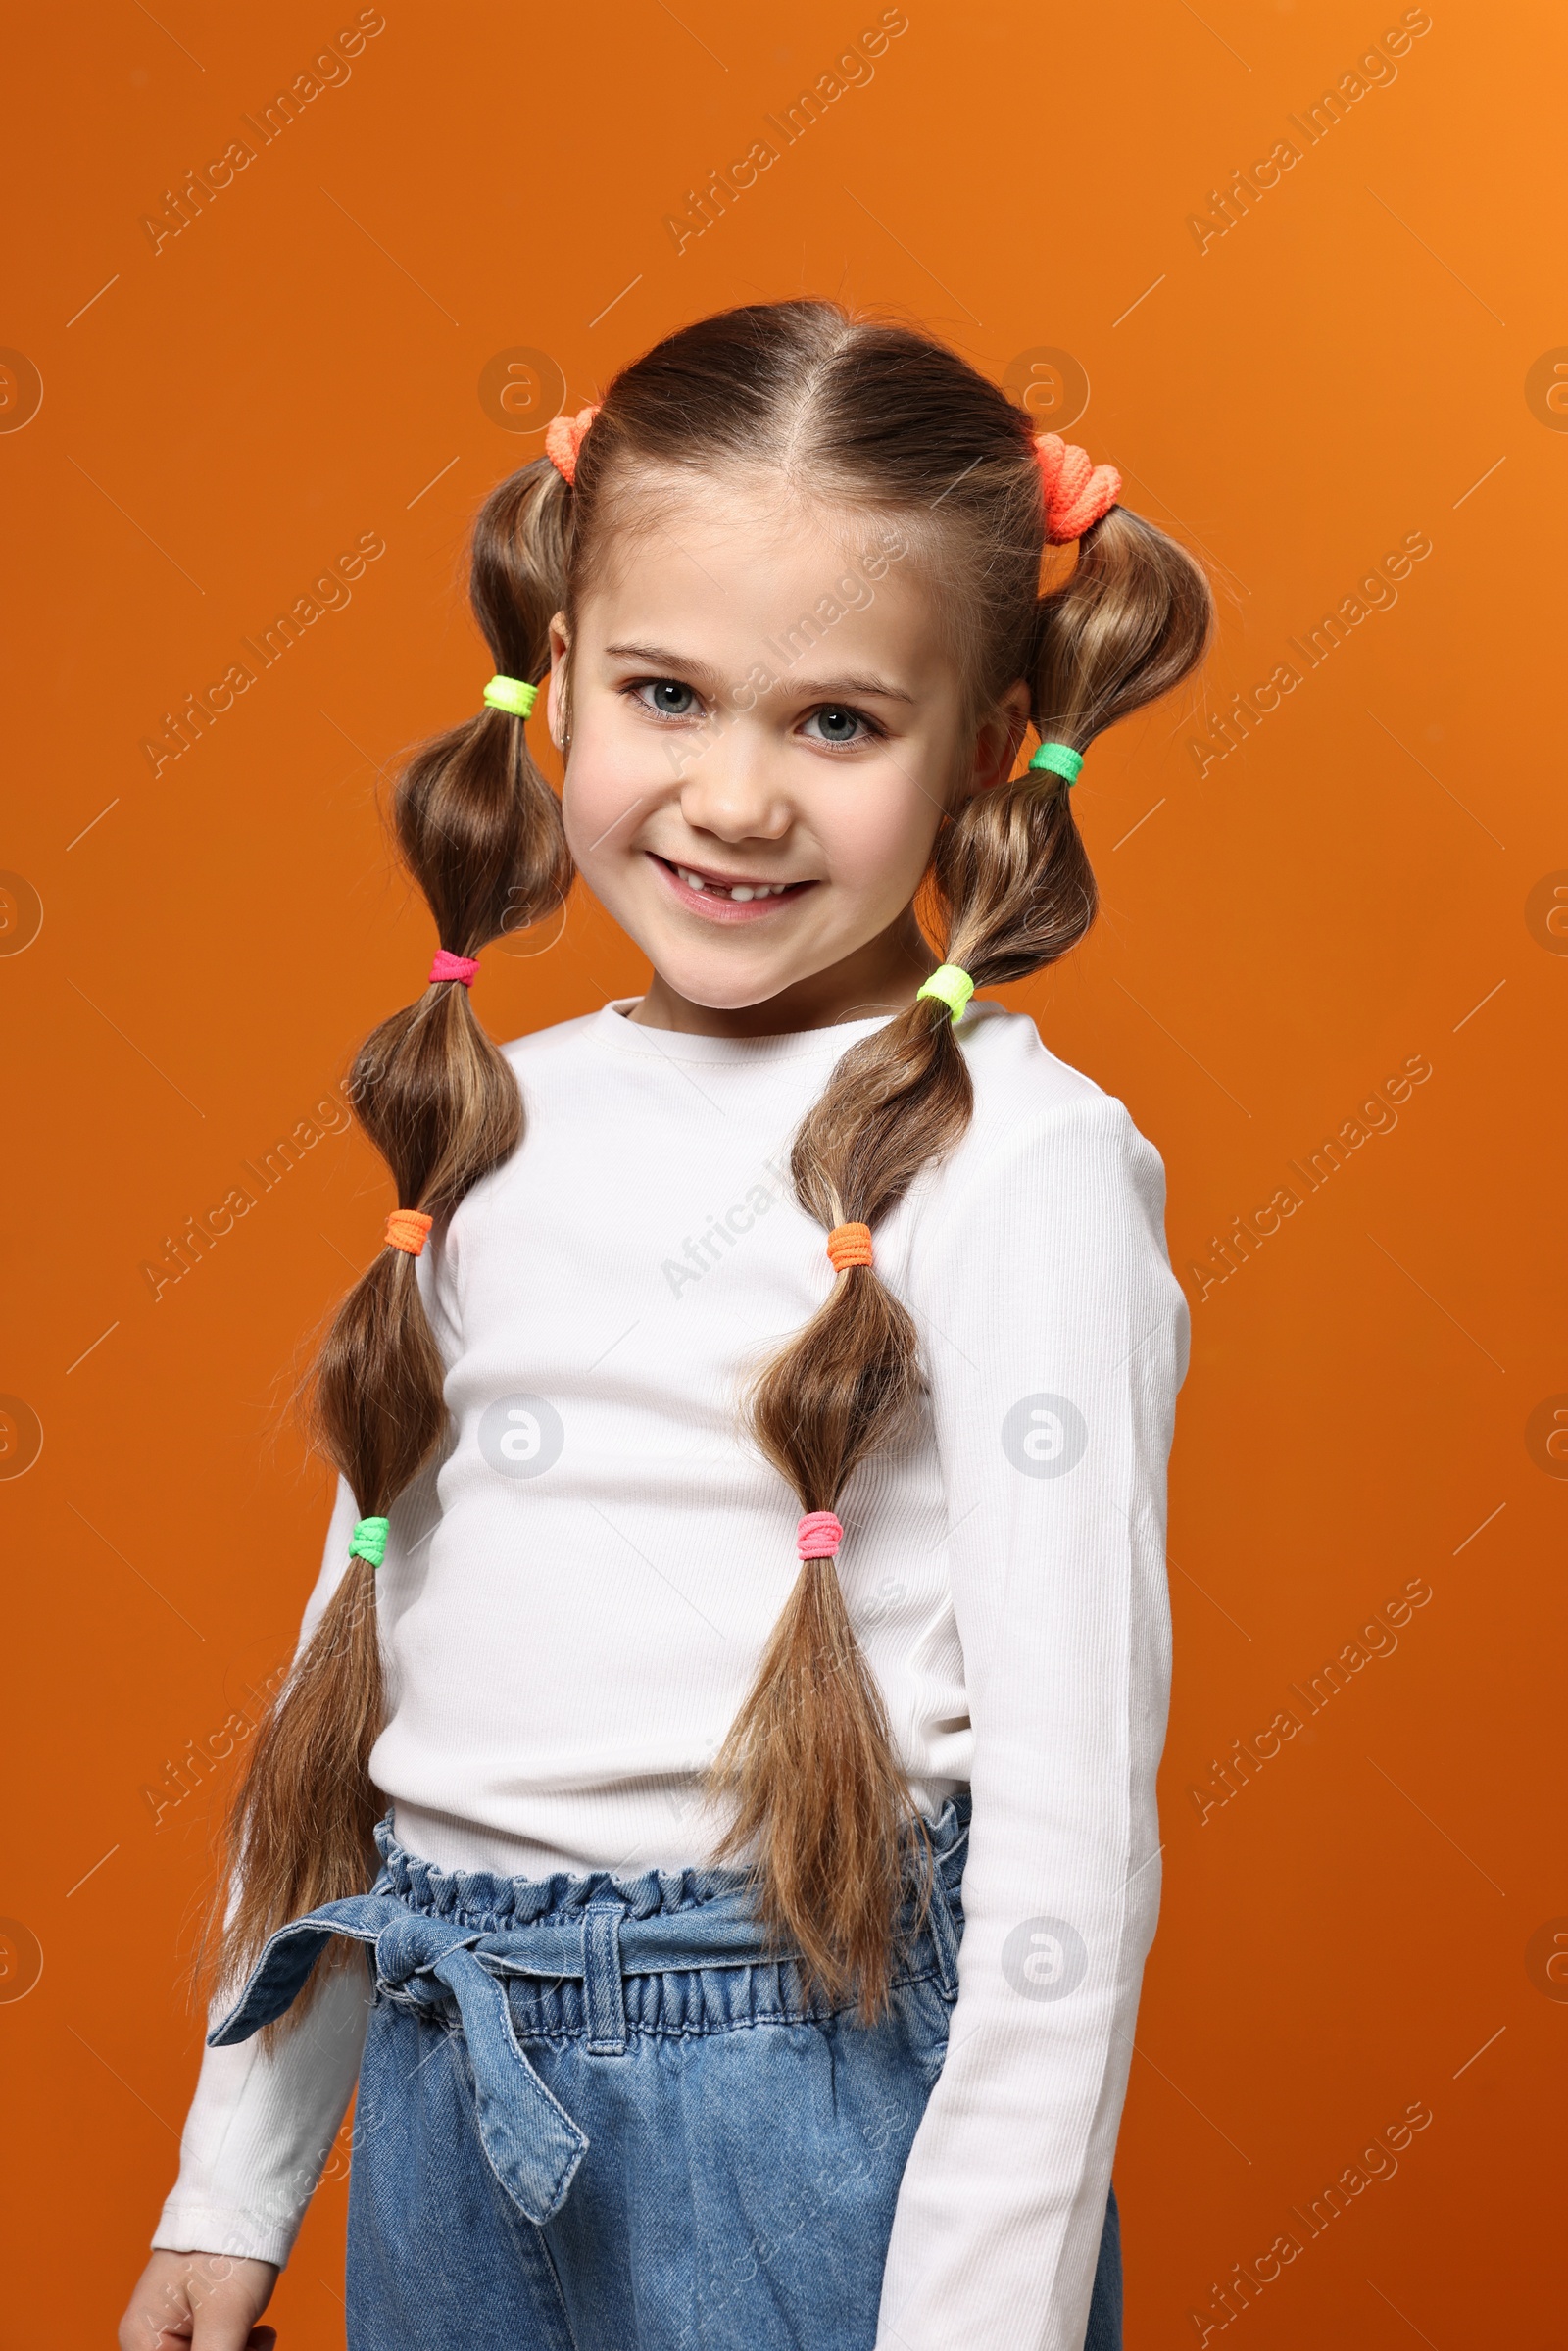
x=1366, y=879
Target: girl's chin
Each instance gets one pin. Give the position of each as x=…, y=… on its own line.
x=723, y=992
x=726, y=967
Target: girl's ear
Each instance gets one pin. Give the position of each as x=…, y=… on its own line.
x=560, y=647
x=998, y=743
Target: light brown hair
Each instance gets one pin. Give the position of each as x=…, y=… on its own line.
x=885, y=424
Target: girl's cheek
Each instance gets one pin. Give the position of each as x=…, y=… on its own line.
x=878, y=832
x=594, y=800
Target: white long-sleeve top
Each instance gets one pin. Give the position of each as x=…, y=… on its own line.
x=575, y=1600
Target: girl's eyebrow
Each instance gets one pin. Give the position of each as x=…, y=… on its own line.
x=855, y=685
x=661, y=657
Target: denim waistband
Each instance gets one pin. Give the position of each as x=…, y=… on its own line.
x=715, y=1903
x=444, y=1938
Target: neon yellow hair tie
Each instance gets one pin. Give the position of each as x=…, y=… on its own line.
x=512, y=694
x=368, y=1539
x=1059, y=759
x=951, y=987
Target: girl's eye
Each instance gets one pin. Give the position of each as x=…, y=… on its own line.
x=668, y=696
x=838, y=724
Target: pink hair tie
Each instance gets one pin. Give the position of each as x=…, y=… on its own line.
x=564, y=437
x=819, y=1535
x=453, y=967
x=1077, y=493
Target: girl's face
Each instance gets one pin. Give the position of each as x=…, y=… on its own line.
x=767, y=730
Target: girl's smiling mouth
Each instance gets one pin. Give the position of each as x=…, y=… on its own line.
x=723, y=898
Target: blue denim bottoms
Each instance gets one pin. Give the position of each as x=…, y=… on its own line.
x=599, y=2114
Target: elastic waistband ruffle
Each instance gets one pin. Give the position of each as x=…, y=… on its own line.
x=485, y=1897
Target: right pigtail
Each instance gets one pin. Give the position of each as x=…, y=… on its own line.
x=480, y=830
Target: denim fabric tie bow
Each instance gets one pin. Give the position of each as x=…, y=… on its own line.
x=530, y=2142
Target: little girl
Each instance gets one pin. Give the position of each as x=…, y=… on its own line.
x=745, y=1601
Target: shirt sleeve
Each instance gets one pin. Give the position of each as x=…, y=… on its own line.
x=263, y=2120
x=1055, y=1337
x=260, y=2127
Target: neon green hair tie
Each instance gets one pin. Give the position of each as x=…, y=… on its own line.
x=512, y=694
x=950, y=987
x=1059, y=759
x=368, y=1539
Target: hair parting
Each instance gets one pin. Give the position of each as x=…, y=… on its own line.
x=881, y=424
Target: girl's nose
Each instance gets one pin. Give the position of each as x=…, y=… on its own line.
x=731, y=792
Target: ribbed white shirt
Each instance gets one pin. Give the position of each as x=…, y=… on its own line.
x=575, y=1600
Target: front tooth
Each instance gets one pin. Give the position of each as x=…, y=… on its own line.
x=742, y=894
x=692, y=881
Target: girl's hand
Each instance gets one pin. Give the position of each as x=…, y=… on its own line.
x=209, y=2300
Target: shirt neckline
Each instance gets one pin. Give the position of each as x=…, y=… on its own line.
x=620, y=1035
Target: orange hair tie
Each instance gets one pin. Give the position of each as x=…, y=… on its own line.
x=849, y=1245
x=406, y=1229
x=564, y=437
x=1077, y=493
